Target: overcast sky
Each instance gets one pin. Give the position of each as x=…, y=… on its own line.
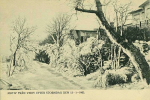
x=39, y=13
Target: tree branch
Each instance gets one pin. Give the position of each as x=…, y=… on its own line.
x=85, y=10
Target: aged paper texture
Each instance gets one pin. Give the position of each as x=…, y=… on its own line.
x=74, y=50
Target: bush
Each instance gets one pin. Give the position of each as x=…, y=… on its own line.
x=90, y=57
x=145, y=48
x=42, y=56
x=135, y=33
x=135, y=78
x=112, y=77
x=90, y=63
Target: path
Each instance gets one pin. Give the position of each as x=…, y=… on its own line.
x=42, y=77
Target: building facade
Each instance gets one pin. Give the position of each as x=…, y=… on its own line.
x=82, y=35
x=141, y=16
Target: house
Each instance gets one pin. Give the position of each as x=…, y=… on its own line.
x=141, y=16
x=81, y=36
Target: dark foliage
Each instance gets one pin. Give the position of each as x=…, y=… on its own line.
x=90, y=62
x=42, y=56
x=123, y=59
x=146, y=48
x=114, y=79
x=135, y=33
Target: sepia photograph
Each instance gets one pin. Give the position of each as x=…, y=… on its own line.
x=74, y=45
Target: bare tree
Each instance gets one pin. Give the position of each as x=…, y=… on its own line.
x=19, y=39
x=134, y=54
x=121, y=13
x=58, y=28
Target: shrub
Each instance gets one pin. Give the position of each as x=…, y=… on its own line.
x=135, y=78
x=145, y=48
x=42, y=56
x=90, y=63
x=90, y=58
x=135, y=33
x=112, y=77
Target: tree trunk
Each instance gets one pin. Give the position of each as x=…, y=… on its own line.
x=14, y=58
x=134, y=54
x=111, y=52
x=116, y=21
x=121, y=29
x=119, y=52
x=114, y=56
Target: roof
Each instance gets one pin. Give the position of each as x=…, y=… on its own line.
x=135, y=11
x=145, y=3
x=87, y=30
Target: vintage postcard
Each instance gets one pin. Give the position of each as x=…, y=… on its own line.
x=75, y=49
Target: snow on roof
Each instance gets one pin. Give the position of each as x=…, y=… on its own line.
x=141, y=6
x=135, y=11
x=145, y=3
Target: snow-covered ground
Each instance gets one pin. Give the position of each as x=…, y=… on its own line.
x=41, y=76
